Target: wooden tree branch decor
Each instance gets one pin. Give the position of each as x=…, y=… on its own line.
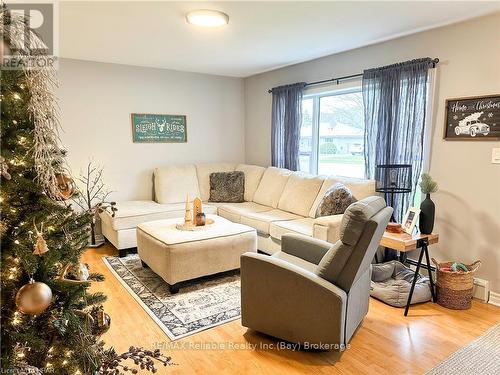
x=137, y=358
x=93, y=197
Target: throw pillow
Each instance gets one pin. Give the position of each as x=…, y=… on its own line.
x=335, y=201
x=227, y=187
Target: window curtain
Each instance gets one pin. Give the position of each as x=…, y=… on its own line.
x=285, y=126
x=395, y=102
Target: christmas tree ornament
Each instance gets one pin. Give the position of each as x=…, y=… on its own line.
x=40, y=247
x=33, y=298
x=66, y=186
x=101, y=322
x=78, y=272
x=82, y=271
x=4, y=168
x=70, y=274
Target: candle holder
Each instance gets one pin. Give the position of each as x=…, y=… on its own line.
x=200, y=219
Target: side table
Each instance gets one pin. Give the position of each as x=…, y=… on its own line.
x=404, y=242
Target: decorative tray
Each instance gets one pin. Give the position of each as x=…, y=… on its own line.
x=192, y=227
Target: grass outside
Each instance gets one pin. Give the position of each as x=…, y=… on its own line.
x=341, y=159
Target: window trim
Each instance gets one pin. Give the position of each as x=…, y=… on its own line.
x=316, y=98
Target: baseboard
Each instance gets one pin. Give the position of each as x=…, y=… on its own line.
x=494, y=299
x=481, y=289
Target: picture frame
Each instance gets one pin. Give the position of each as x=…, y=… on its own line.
x=473, y=118
x=410, y=220
x=158, y=128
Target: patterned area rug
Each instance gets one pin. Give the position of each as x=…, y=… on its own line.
x=481, y=356
x=199, y=305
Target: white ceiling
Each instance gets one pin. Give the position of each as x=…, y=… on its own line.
x=260, y=36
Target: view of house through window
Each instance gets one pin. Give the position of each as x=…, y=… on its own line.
x=332, y=134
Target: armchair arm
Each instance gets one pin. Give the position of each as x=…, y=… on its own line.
x=291, y=303
x=304, y=247
x=327, y=227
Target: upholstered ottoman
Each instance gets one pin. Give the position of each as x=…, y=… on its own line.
x=178, y=255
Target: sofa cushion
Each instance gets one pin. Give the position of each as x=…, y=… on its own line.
x=253, y=175
x=174, y=183
x=227, y=187
x=262, y=220
x=203, y=172
x=233, y=211
x=300, y=226
x=132, y=213
x=360, y=189
x=271, y=186
x=299, y=193
x=327, y=228
x=335, y=201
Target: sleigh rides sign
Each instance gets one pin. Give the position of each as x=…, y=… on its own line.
x=159, y=128
x=473, y=118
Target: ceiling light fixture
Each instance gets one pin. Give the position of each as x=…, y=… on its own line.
x=207, y=18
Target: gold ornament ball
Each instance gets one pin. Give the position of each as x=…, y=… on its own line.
x=33, y=298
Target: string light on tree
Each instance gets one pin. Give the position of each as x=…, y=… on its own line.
x=16, y=320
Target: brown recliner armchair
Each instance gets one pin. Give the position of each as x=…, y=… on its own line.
x=312, y=292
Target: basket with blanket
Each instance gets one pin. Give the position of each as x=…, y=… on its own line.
x=454, y=284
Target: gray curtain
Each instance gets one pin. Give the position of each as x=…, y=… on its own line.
x=395, y=99
x=285, y=126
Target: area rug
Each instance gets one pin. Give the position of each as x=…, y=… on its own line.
x=199, y=305
x=481, y=356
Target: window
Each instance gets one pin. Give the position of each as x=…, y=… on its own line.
x=332, y=134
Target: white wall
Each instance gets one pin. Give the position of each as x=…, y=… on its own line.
x=96, y=101
x=468, y=203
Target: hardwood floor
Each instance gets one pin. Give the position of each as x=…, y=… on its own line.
x=387, y=342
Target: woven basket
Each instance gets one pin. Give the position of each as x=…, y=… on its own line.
x=454, y=289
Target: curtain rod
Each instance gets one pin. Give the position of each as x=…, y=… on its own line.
x=344, y=78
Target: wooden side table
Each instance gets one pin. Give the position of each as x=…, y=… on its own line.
x=403, y=243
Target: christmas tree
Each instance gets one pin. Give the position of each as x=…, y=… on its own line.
x=50, y=320
x=51, y=323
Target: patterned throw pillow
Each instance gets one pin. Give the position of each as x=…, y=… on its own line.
x=335, y=201
x=227, y=187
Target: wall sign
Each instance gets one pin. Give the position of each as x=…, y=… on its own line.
x=159, y=128
x=472, y=118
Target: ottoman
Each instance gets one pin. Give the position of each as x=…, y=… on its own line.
x=178, y=255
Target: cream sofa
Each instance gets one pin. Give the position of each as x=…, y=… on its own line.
x=277, y=201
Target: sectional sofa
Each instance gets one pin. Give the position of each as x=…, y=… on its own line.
x=277, y=201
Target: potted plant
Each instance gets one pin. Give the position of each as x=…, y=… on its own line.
x=92, y=197
x=427, y=207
